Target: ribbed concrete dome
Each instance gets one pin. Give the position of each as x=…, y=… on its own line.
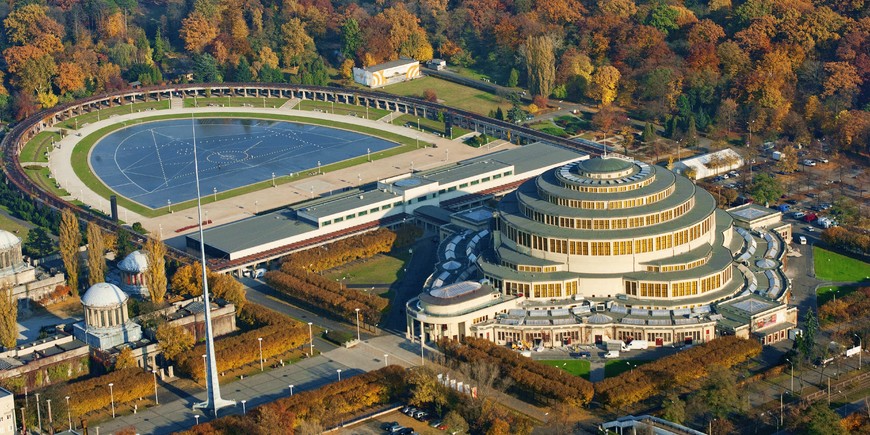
x=103, y=294
x=604, y=165
x=8, y=240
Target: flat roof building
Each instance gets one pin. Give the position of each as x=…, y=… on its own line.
x=390, y=198
x=387, y=73
x=7, y=412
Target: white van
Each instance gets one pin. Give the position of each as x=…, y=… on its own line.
x=802, y=240
x=612, y=354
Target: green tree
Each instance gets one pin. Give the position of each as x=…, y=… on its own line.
x=720, y=392
x=205, y=69
x=806, y=342
x=846, y=211
x=161, y=46
x=674, y=409
x=766, y=189
x=123, y=244
x=499, y=114
x=513, y=78
x=351, y=38
x=9, y=319
x=38, y=243
x=649, y=133
x=663, y=17
x=243, y=71
x=821, y=420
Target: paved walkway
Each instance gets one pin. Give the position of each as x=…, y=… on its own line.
x=241, y=207
x=308, y=374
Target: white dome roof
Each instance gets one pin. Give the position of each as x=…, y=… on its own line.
x=8, y=240
x=135, y=262
x=103, y=294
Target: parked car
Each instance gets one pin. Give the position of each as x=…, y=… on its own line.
x=823, y=160
x=406, y=431
x=438, y=424
x=798, y=214
x=390, y=425
x=421, y=416
x=809, y=162
x=410, y=411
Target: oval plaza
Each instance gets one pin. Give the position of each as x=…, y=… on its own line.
x=607, y=248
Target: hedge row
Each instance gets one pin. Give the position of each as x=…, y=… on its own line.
x=327, y=406
x=532, y=377
x=93, y=394
x=674, y=371
x=279, y=334
x=343, y=251
x=326, y=294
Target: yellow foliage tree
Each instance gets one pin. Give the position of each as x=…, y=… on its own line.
x=70, y=77
x=605, y=81
x=125, y=359
x=197, y=31
x=173, y=340
x=96, y=254
x=9, y=319
x=347, y=69
x=156, y=273
x=46, y=99
x=70, y=241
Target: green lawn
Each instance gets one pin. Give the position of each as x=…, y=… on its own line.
x=825, y=294
x=427, y=125
x=451, y=94
x=576, y=367
x=101, y=114
x=13, y=226
x=35, y=149
x=380, y=269
x=82, y=148
x=835, y=267
x=234, y=102
x=41, y=175
x=342, y=109
x=616, y=367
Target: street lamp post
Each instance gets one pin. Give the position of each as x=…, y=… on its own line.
x=792, y=374
x=112, y=395
x=357, y=324
x=273, y=180
x=260, y=342
x=860, y=350
x=318, y=168
x=291, y=390
x=205, y=369
x=169, y=204
x=50, y=418
x=781, y=414
x=310, y=339
x=68, y=414
x=386, y=359
x=196, y=417
x=214, y=191
x=243, y=406
x=339, y=374
x=39, y=413
x=369, y=154
x=156, y=400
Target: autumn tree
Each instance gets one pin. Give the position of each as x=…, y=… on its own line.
x=156, y=272
x=70, y=78
x=295, y=42
x=426, y=390
x=9, y=319
x=609, y=119
x=540, y=58
x=455, y=423
x=173, y=340
x=96, y=254
x=125, y=359
x=788, y=161
x=765, y=189
x=187, y=280
x=197, y=32
x=70, y=239
x=605, y=81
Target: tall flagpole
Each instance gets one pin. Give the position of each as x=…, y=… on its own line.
x=214, y=401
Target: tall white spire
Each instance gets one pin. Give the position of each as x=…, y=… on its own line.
x=214, y=401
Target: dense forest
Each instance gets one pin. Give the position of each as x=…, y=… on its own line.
x=793, y=68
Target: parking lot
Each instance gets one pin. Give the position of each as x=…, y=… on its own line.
x=375, y=425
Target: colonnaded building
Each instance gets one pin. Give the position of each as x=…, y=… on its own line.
x=606, y=248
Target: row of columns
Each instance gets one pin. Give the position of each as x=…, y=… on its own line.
x=106, y=317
